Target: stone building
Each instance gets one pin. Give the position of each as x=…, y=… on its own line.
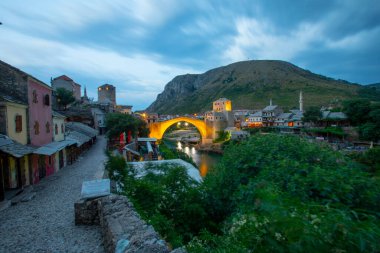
x=270, y=113
x=68, y=84
x=125, y=109
x=107, y=94
x=220, y=117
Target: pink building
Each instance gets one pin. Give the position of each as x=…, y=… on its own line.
x=40, y=126
x=40, y=113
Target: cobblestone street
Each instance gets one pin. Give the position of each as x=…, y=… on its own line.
x=46, y=223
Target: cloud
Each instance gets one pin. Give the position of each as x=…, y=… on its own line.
x=145, y=73
x=259, y=40
x=53, y=17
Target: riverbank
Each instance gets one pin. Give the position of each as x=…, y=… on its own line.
x=215, y=148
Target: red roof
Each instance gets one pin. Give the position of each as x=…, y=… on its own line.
x=64, y=77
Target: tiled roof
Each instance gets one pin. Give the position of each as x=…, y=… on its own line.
x=14, y=148
x=53, y=147
x=334, y=115
x=24, y=73
x=81, y=128
x=64, y=77
x=270, y=108
x=5, y=140
x=58, y=115
x=10, y=99
x=222, y=99
x=257, y=114
x=77, y=137
x=286, y=115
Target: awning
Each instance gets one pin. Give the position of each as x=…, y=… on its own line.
x=16, y=149
x=77, y=137
x=53, y=147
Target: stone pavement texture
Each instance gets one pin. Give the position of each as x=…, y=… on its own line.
x=45, y=224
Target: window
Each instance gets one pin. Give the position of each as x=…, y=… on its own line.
x=18, y=121
x=47, y=100
x=35, y=97
x=47, y=127
x=56, y=129
x=36, y=128
x=62, y=128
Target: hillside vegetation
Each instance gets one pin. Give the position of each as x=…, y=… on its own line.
x=250, y=84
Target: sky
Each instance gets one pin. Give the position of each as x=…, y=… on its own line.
x=140, y=45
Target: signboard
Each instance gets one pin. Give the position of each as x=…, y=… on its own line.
x=95, y=188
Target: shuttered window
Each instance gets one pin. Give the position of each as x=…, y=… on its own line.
x=47, y=100
x=18, y=123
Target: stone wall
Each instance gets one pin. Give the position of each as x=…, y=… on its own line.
x=123, y=229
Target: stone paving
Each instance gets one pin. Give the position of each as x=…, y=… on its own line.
x=45, y=224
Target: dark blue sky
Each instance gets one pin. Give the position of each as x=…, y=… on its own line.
x=140, y=45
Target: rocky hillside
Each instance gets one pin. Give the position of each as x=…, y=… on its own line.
x=250, y=84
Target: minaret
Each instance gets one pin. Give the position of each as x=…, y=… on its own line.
x=301, y=101
x=85, y=92
x=270, y=102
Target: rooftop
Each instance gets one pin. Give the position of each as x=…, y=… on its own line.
x=64, y=77
x=270, y=108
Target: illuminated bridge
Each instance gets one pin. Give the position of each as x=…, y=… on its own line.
x=157, y=129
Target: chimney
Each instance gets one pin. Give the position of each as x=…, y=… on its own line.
x=270, y=102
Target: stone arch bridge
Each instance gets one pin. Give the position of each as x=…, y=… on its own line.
x=158, y=129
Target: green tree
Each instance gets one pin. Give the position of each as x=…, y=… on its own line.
x=312, y=114
x=357, y=110
x=117, y=123
x=64, y=97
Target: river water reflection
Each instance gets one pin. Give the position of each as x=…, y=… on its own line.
x=204, y=160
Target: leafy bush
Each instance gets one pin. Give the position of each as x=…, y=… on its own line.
x=271, y=193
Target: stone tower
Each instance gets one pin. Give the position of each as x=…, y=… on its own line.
x=107, y=94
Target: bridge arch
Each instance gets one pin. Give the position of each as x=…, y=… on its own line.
x=158, y=129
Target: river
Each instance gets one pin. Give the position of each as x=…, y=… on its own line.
x=204, y=160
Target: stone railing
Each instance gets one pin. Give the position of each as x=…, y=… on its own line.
x=123, y=229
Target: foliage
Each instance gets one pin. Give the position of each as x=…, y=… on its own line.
x=357, y=110
x=371, y=159
x=169, y=199
x=64, y=97
x=312, y=114
x=371, y=93
x=115, y=166
x=270, y=193
x=117, y=123
x=338, y=131
x=281, y=193
x=222, y=136
x=366, y=116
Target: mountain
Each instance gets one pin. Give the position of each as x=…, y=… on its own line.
x=250, y=85
x=375, y=85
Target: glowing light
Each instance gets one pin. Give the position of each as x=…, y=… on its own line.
x=186, y=124
x=203, y=170
x=144, y=115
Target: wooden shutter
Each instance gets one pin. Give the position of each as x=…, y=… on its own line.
x=18, y=123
